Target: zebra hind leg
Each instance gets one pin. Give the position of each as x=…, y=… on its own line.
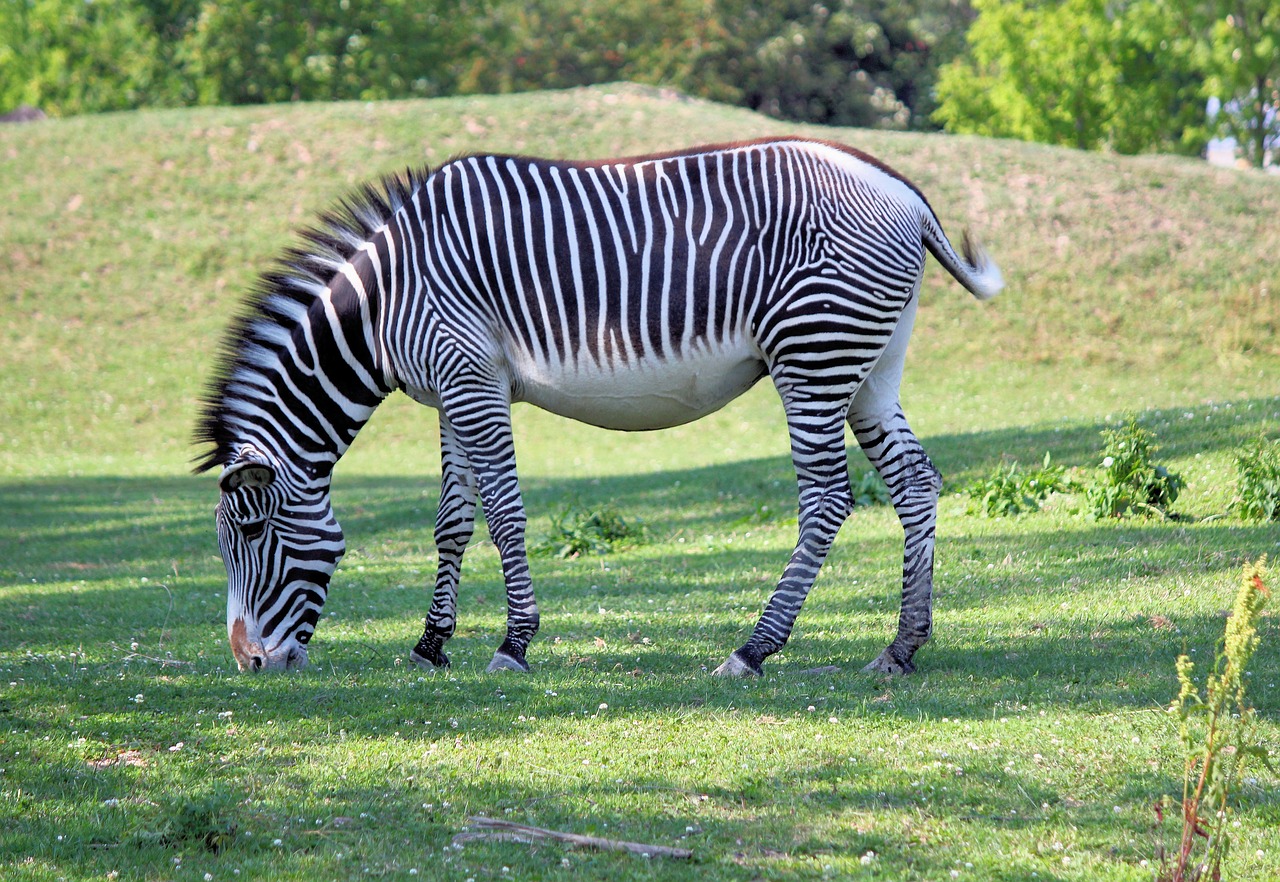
x=455, y=523
x=914, y=484
x=504, y=511
x=825, y=502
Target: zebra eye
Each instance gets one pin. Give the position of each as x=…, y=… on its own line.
x=253, y=529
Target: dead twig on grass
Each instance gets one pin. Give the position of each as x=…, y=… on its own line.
x=506, y=831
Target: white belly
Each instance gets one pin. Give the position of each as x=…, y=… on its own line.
x=644, y=395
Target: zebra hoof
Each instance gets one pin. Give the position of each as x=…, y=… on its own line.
x=736, y=666
x=423, y=661
x=503, y=662
x=886, y=664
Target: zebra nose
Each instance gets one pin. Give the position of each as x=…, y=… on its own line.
x=249, y=654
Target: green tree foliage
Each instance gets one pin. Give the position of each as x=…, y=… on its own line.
x=69, y=56
x=1081, y=73
x=551, y=44
x=281, y=50
x=849, y=62
x=1240, y=55
x=1128, y=75
x=862, y=62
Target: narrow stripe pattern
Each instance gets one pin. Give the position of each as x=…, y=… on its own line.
x=632, y=294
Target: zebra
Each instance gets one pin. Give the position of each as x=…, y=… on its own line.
x=632, y=294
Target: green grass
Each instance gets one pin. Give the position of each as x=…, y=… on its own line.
x=1030, y=744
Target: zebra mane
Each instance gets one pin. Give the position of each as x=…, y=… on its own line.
x=280, y=298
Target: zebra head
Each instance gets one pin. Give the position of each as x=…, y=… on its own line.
x=280, y=543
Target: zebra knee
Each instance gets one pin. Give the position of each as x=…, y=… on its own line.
x=916, y=488
x=928, y=477
x=825, y=510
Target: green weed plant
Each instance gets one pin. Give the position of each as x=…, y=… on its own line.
x=1006, y=493
x=870, y=490
x=1218, y=730
x=578, y=531
x=1258, y=481
x=1131, y=481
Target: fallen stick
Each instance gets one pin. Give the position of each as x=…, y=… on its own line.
x=491, y=829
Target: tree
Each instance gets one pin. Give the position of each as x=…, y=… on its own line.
x=1239, y=52
x=1082, y=73
x=550, y=44
x=843, y=62
x=69, y=56
x=282, y=50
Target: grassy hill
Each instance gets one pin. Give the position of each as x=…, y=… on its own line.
x=129, y=238
x=1031, y=744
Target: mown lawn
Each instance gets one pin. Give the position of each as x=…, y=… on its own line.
x=1031, y=744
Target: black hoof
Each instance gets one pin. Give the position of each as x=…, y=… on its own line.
x=429, y=652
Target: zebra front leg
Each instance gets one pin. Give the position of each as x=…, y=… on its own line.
x=455, y=523
x=914, y=484
x=481, y=420
x=825, y=502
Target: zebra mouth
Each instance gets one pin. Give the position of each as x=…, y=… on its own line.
x=294, y=658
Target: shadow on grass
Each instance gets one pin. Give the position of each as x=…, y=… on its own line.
x=82, y=528
x=747, y=826
x=140, y=554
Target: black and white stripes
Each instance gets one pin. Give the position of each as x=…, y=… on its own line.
x=631, y=294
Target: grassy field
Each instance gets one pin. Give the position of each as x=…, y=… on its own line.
x=1031, y=744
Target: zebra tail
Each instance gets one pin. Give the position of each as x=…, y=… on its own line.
x=975, y=270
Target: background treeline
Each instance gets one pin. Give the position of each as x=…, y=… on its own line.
x=853, y=62
x=1129, y=75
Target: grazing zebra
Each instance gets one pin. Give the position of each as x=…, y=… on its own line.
x=631, y=294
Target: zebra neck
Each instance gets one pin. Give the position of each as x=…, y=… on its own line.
x=304, y=388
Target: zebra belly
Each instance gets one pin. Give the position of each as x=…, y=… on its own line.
x=650, y=394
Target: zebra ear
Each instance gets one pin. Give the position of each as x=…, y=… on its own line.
x=247, y=471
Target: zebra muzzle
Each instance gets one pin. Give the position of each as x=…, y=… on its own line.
x=252, y=655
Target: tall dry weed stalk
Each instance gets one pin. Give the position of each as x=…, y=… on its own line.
x=1218, y=730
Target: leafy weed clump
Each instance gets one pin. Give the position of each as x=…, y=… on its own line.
x=1217, y=727
x=869, y=490
x=1258, y=482
x=204, y=822
x=577, y=531
x=1131, y=482
x=1007, y=493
